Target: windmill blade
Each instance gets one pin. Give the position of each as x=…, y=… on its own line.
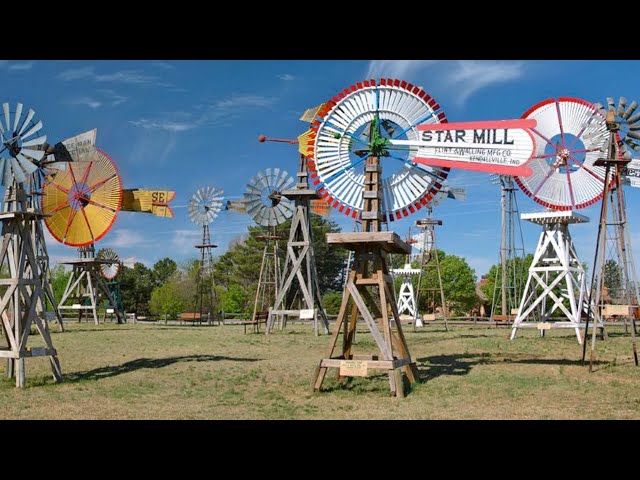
x=611, y=103
x=5, y=107
x=18, y=173
x=34, y=142
x=622, y=103
x=34, y=129
x=27, y=121
x=3, y=161
x=7, y=178
x=18, y=114
x=629, y=111
x=26, y=164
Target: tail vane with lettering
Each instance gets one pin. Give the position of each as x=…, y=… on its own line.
x=148, y=201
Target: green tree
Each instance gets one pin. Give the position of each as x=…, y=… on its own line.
x=166, y=300
x=233, y=299
x=331, y=301
x=517, y=272
x=59, y=278
x=136, y=285
x=613, y=279
x=240, y=265
x=163, y=270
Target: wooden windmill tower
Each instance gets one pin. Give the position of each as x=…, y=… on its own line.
x=569, y=138
x=22, y=297
x=617, y=272
x=299, y=292
x=269, y=208
x=355, y=129
x=203, y=209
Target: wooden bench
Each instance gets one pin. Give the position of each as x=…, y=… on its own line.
x=261, y=317
x=189, y=317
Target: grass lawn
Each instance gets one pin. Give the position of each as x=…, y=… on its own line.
x=185, y=372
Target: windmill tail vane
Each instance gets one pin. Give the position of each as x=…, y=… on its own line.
x=148, y=201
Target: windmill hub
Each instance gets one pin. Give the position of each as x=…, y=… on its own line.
x=13, y=145
x=79, y=196
x=275, y=198
x=562, y=157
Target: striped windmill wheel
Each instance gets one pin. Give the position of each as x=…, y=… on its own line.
x=363, y=121
x=82, y=201
x=109, y=270
x=570, y=136
x=205, y=205
x=265, y=202
x=22, y=152
x=628, y=121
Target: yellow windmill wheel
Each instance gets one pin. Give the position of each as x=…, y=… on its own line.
x=83, y=200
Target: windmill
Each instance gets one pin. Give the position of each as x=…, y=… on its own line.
x=203, y=209
x=23, y=250
x=570, y=136
x=613, y=246
x=110, y=270
x=82, y=203
x=425, y=243
x=505, y=299
x=299, y=291
x=358, y=171
x=269, y=208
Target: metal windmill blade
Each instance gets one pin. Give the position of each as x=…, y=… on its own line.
x=628, y=122
x=109, y=270
x=264, y=200
x=205, y=205
x=21, y=149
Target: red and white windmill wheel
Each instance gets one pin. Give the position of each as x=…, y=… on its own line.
x=570, y=136
x=362, y=121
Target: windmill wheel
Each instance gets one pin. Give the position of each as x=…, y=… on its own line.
x=265, y=202
x=628, y=124
x=205, y=205
x=362, y=121
x=20, y=153
x=570, y=136
x=423, y=241
x=109, y=270
x=82, y=201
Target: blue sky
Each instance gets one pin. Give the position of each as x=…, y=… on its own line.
x=180, y=125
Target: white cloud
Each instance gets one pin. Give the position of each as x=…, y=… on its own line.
x=76, y=73
x=238, y=101
x=396, y=68
x=183, y=241
x=163, y=65
x=130, y=77
x=86, y=101
x=464, y=77
x=164, y=125
x=20, y=66
x=472, y=75
x=287, y=77
x=214, y=113
x=124, y=238
x=134, y=77
x=114, y=98
x=132, y=260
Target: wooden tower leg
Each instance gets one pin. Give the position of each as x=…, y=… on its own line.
x=370, y=287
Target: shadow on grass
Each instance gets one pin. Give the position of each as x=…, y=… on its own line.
x=140, y=363
x=461, y=364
